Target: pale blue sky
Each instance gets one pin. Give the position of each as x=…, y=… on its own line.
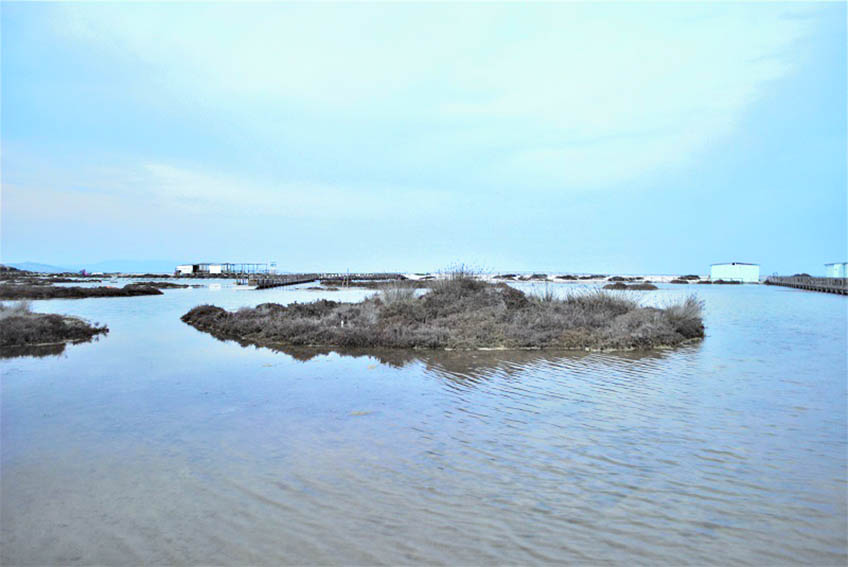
x=627, y=138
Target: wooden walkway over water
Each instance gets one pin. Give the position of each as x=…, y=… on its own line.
x=266, y=281
x=826, y=285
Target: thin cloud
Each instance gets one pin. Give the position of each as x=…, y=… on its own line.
x=544, y=80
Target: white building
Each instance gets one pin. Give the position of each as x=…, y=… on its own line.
x=836, y=270
x=735, y=272
x=207, y=268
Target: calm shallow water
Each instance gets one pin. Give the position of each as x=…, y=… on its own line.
x=160, y=444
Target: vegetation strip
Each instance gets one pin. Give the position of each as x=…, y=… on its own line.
x=24, y=291
x=459, y=313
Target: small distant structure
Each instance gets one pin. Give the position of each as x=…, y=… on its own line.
x=735, y=272
x=209, y=268
x=836, y=270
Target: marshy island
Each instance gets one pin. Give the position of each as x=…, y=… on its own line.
x=459, y=312
x=22, y=330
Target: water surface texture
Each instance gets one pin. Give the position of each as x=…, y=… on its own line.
x=161, y=444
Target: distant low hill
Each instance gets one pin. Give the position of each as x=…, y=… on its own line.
x=37, y=267
x=126, y=266
x=132, y=266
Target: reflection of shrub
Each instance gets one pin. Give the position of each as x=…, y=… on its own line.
x=679, y=281
x=460, y=313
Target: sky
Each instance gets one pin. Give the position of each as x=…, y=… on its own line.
x=557, y=136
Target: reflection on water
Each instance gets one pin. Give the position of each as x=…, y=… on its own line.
x=160, y=444
x=474, y=365
x=36, y=351
x=40, y=351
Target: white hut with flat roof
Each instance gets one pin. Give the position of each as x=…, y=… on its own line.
x=735, y=272
x=208, y=268
x=836, y=270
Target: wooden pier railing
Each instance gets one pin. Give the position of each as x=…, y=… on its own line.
x=826, y=285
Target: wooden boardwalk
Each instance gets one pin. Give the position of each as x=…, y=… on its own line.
x=826, y=285
x=266, y=281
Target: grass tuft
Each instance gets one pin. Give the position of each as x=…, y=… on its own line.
x=687, y=317
x=397, y=293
